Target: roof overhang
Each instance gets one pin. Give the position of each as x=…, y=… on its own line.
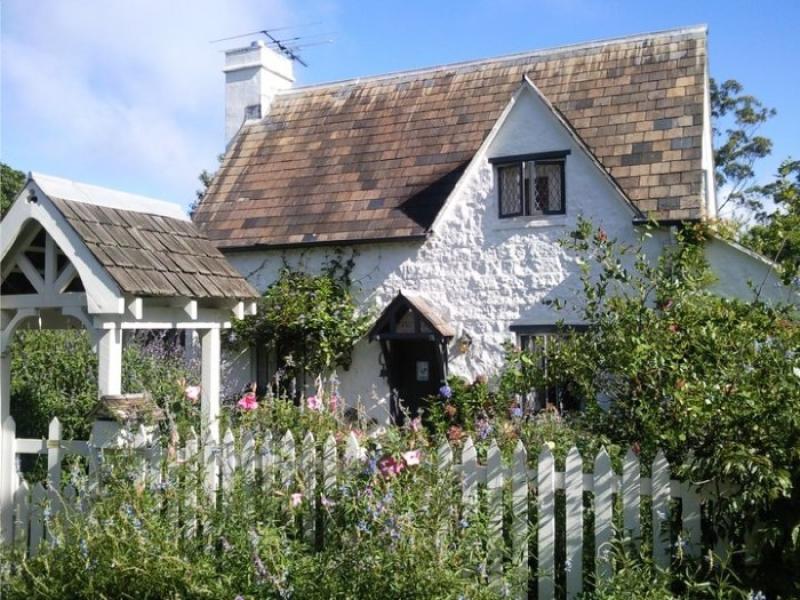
x=409, y=316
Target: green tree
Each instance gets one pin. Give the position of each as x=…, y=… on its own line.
x=777, y=234
x=736, y=118
x=11, y=182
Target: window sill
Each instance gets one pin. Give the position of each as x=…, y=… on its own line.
x=531, y=222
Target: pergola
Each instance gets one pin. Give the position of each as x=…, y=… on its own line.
x=76, y=255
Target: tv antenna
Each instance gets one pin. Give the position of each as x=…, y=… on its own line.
x=286, y=46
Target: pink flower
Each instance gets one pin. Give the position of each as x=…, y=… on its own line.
x=314, y=403
x=297, y=499
x=412, y=457
x=415, y=424
x=333, y=402
x=192, y=393
x=389, y=466
x=248, y=402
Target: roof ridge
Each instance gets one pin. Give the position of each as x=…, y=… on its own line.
x=566, y=50
x=88, y=193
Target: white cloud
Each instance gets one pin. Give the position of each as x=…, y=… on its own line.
x=118, y=92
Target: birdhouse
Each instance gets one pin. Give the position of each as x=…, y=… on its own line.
x=125, y=418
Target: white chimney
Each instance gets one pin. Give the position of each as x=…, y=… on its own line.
x=253, y=76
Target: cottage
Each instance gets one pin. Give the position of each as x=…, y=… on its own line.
x=453, y=185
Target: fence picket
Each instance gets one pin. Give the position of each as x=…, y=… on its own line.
x=287, y=460
x=690, y=516
x=547, y=530
x=317, y=476
x=519, y=516
x=494, y=484
x=353, y=452
x=267, y=463
x=603, y=513
x=38, y=499
x=248, y=460
x=22, y=512
x=54, y=455
x=573, y=484
x=469, y=466
x=631, y=494
x=190, y=516
x=329, y=465
x=660, y=495
x=309, y=470
x=229, y=462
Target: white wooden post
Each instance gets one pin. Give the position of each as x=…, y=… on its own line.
x=8, y=468
x=109, y=358
x=573, y=484
x=547, y=524
x=210, y=379
x=8, y=462
x=210, y=366
x=603, y=513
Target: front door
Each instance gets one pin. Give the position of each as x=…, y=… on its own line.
x=415, y=373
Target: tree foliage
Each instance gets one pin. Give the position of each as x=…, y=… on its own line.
x=715, y=382
x=11, y=182
x=736, y=119
x=777, y=234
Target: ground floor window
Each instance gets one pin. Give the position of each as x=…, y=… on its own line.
x=540, y=339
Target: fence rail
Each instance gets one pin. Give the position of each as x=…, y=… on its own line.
x=284, y=462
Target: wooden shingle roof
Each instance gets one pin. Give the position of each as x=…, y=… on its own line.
x=375, y=159
x=151, y=249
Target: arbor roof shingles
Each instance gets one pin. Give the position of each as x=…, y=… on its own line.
x=375, y=159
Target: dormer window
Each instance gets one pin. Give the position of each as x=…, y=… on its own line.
x=531, y=185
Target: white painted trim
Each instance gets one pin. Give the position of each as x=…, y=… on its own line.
x=102, y=293
x=75, y=191
x=8, y=330
x=480, y=156
x=65, y=278
x=43, y=300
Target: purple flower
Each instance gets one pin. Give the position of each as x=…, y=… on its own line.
x=516, y=411
x=445, y=391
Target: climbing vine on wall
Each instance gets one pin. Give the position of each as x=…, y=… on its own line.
x=309, y=321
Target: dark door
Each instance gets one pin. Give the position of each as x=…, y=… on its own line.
x=416, y=373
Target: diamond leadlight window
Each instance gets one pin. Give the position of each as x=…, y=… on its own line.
x=510, y=178
x=531, y=188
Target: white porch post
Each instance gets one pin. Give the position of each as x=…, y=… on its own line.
x=210, y=380
x=109, y=355
x=8, y=461
x=209, y=401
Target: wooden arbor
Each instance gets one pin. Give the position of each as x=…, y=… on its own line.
x=76, y=255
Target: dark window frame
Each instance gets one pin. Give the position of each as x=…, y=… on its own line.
x=521, y=161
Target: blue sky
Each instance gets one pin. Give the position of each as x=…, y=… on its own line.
x=129, y=93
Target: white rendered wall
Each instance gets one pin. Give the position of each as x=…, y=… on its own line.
x=483, y=273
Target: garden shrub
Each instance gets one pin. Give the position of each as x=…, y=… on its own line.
x=714, y=382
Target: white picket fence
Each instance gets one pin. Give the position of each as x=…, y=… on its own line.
x=283, y=462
